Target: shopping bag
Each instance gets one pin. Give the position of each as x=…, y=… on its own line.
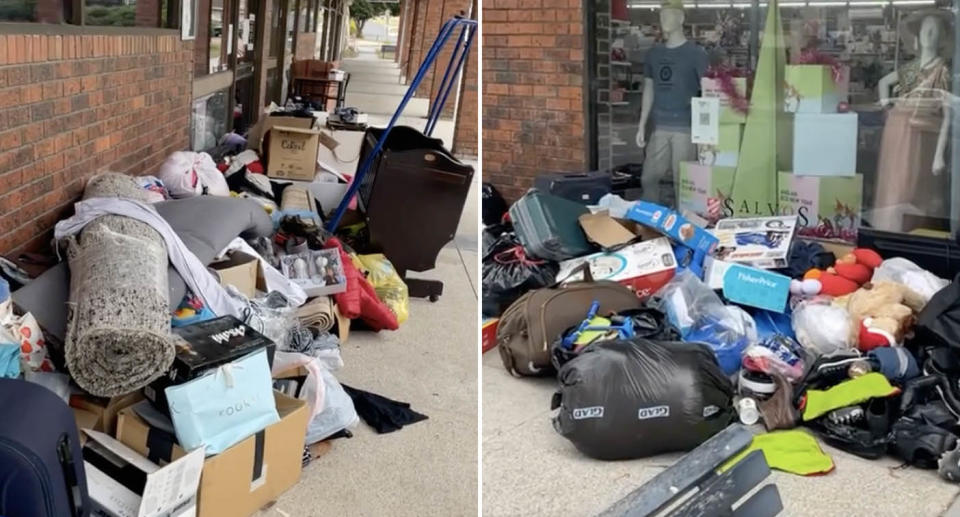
x=225, y=405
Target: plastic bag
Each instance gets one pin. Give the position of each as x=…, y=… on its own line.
x=508, y=273
x=701, y=316
x=776, y=354
x=902, y=271
x=682, y=396
x=821, y=327
x=188, y=174
x=338, y=411
x=386, y=282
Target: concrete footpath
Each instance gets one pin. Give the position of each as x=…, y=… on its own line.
x=529, y=469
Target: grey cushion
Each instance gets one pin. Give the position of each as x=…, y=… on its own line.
x=206, y=224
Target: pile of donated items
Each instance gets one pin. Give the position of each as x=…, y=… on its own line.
x=662, y=329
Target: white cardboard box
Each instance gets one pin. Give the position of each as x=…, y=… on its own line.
x=825, y=144
x=645, y=266
x=169, y=491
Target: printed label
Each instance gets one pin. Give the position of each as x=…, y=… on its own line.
x=653, y=412
x=582, y=413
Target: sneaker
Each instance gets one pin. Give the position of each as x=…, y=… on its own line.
x=948, y=466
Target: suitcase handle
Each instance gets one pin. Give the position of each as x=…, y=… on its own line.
x=65, y=454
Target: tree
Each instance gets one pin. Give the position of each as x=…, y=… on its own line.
x=363, y=10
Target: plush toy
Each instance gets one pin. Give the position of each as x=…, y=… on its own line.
x=846, y=276
x=881, y=313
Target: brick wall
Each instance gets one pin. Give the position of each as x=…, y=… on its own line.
x=201, y=46
x=465, y=129
x=533, y=88
x=74, y=105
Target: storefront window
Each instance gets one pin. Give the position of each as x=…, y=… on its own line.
x=221, y=35
x=248, y=29
x=841, y=112
x=39, y=11
x=209, y=120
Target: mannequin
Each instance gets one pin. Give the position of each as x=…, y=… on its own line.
x=672, y=72
x=913, y=147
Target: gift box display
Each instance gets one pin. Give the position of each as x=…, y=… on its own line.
x=729, y=114
x=703, y=189
x=814, y=88
x=825, y=144
x=826, y=207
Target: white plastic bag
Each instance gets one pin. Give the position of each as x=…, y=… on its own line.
x=188, y=174
x=701, y=316
x=902, y=271
x=338, y=412
x=821, y=327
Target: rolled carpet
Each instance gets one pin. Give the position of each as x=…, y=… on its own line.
x=118, y=320
x=317, y=314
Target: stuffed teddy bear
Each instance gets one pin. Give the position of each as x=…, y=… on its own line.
x=881, y=313
x=846, y=276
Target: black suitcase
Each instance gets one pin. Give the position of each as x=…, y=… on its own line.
x=582, y=187
x=41, y=463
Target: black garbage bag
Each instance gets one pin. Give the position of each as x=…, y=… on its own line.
x=649, y=322
x=508, y=273
x=493, y=206
x=627, y=399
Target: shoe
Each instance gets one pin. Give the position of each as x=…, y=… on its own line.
x=948, y=466
x=846, y=415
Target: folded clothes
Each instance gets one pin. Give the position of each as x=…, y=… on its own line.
x=795, y=451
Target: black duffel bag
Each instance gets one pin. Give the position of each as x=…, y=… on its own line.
x=626, y=399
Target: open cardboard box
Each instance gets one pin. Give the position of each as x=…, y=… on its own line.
x=122, y=483
x=240, y=480
x=608, y=232
x=239, y=270
x=100, y=414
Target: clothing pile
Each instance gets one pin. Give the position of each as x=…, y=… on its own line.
x=662, y=329
x=198, y=320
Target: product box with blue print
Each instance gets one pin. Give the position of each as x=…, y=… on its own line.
x=644, y=267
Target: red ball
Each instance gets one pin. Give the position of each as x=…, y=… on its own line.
x=856, y=272
x=834, y=285
x=868, y=257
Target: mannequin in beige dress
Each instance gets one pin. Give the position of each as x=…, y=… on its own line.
x=914, y=142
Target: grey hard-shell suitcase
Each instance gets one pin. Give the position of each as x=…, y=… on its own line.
x=548, y=226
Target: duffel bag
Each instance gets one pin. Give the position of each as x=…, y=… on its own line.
x=529, y=326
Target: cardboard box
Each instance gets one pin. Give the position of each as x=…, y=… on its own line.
x=207, y=344
x=293, y=153
x=728, y=115
x=826, y=207
x=104, y=409
x=754, y=287
x=327, y=193
x=825, y=144
x=762, y=242
x=257, y=135
x=608, y=232
x=123, y=483
x=726, y=152
x=644, y=267
x=812, y=89
x=226, y=488
x=239, y=270
x=703, y=189
x=488, y=334
x=691, y=243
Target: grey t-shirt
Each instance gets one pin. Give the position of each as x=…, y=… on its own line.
x=676, y=74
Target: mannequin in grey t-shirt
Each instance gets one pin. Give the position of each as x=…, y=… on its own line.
x=672, y=73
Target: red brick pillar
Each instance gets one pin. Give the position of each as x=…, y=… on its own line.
x=465, y=128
